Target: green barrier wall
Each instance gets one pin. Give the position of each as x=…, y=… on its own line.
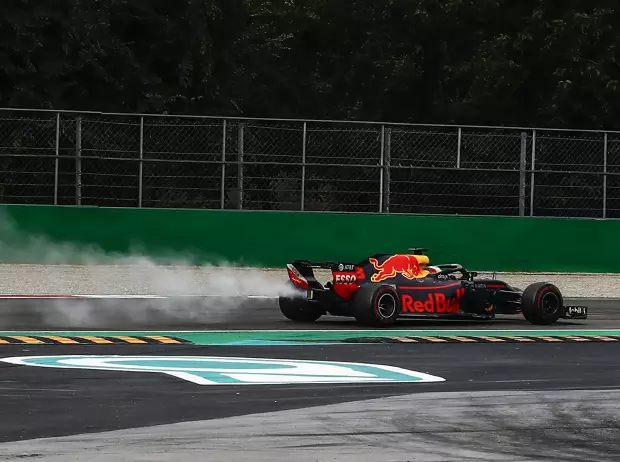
x=273, y=238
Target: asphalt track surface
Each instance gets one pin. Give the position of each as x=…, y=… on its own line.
x=569, y=408
x=217, y=313
x=499, y=402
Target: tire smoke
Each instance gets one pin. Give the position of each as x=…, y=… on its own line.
x=210, y=293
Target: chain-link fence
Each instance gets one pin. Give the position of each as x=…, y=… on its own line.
x=127, y=160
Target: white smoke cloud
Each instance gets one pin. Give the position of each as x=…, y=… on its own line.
x=219, y=290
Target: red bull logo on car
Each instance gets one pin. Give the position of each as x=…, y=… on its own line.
x=406, y=265
x=433, y=303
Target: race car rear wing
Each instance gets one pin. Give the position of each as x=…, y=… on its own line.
x=301, y=272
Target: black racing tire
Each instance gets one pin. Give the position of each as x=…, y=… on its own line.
x=299, y=309
x=376, y=305
x=542, y=303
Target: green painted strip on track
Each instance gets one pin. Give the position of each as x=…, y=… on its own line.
x=225, y=337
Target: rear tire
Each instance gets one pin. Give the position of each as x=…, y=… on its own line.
x=376, y=305
x=299, y=309
x=542, y=303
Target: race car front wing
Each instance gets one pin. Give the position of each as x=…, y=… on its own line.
x=574, y=312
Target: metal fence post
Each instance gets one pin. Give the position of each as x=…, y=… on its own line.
x=381, y=169
x=57, y=159
x=605, y=177
x=303, y=166
x=532, y=173
x=240, y=166
x=141, y=164
x=78, y=160
x=387, y=179
x=223, y=190
x=522, y=180
x=458, y=149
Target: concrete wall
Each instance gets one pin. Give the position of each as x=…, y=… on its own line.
x=270, y=239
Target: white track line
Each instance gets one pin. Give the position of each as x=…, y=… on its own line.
x=71, y=296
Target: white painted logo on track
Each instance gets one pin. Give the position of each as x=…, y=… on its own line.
x=222, y=370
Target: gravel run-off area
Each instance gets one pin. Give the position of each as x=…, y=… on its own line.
x=151, y=279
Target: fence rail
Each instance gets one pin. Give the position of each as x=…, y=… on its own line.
x=129, y=160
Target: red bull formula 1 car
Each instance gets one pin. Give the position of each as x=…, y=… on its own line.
x=379, y=290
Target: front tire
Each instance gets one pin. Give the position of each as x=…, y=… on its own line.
x=542, y=303
x=376, y=305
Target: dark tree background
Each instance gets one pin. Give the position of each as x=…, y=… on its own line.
x=529, y=63
x=513, y=62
